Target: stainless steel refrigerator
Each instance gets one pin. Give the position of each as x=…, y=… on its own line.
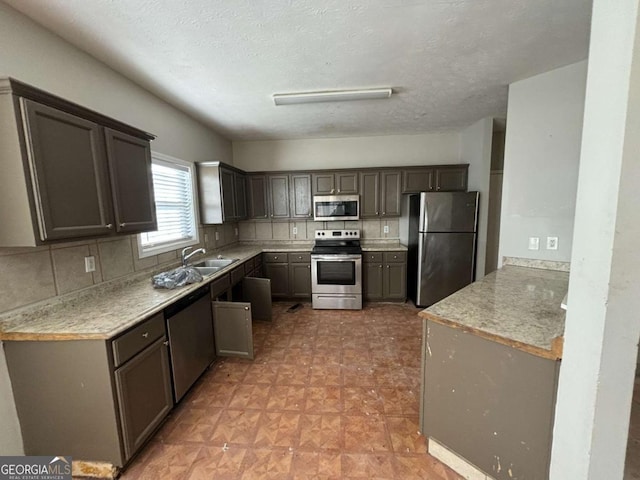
x=439, y=230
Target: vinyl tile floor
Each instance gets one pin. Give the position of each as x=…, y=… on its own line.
x=330, y=394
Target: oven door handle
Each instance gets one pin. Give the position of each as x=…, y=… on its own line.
x=337, y=258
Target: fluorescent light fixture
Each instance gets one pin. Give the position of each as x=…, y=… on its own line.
x=331, y=96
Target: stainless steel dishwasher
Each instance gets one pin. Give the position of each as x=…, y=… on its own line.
x=191, y=344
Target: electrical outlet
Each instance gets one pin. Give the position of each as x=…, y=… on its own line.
x=552, y=243
x=386, y=229
x=217, y=236
x=90, y=264
x=206, y=238
x=236, y=230
x=534, y=243
x=295, y=230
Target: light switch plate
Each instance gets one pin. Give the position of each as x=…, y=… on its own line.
x=552, y=243
x=386, y=229
x=217, y=236
x=534, y=243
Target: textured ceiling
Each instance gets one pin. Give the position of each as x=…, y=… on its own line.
x=450, y=61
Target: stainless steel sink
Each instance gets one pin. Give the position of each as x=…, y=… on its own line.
x=216, y=263
x=205, y=271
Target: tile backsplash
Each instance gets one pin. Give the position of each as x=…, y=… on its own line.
x=36, y=273
x=283, y=230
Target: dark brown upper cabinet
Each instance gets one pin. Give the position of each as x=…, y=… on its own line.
x=257, y=195
x=279, y=206
x=416, y=180
x=441, y=178
x=301, y=195
x=369, y=194
x=129, y=161
x=222, y=193
x=452, y=178
x=339, y=183
x=390, y=193
x=68, y=172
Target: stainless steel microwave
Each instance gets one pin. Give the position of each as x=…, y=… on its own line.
x=336, y=207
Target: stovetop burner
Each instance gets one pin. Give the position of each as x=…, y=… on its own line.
x=337, y=241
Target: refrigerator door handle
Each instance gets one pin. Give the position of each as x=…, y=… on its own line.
x=424, y=220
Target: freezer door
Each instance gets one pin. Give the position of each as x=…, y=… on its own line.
x=446, y=263
x=448, y=211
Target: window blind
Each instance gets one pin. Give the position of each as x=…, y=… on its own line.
x=173, y=189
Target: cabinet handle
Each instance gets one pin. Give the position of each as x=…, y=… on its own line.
x=308, y=266
x=388, y=266
x=395, y=256
x=109, y=226
x=166, y=343
x=379, y=266
x=384, y=213
x=438, y=188
x=145, y=334
x=332, y=190
x=338, y=190
x=246, y=308
x=376, y=212
x=122, y=225
x=275, y=258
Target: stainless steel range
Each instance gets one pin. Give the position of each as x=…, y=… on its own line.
x=336, y=270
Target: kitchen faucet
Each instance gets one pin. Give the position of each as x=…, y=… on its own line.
x=186, y=257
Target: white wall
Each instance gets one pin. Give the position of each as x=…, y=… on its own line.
x=542, y=153
x=354, y=152
x=603, y=326
x=475, y=149
x=33, y=55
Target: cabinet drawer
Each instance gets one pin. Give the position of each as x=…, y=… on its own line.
x=300, y=257
x=135, y=340
x=275, y=257
x=237, y=274
x=220, y=285
x=395, y=257
x=248, y=266
x=372, y=257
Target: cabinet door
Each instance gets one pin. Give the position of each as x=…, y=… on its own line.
x=323, y=184
x=131, y=182
x=395, y=281
x=417, y=180
x=372, y=281
x=300, y=279
x=451, y=179
x=232, y=329
x=278, y=273
x=257, y=291
x=279, y=196
x=143, y=387
x=369, y=194
x=240, y=196
x=228, y=195
x=69, y=173
x=301, y=195
x=391, y=194
x=258, y=196
x=347, y=182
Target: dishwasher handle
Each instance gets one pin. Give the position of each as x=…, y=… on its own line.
x=185, y=301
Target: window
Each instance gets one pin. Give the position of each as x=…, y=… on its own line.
x=174, y=187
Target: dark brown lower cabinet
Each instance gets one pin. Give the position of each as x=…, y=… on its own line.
x=232, y=329
x=143, y=385
x=503, y=397
x=384, y=276
x=98, y=400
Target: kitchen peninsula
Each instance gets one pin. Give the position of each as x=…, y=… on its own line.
x=491, y=357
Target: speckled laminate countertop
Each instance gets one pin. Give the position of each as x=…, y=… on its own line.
x=306, y=246
x=104, y=311
x=515, y=306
